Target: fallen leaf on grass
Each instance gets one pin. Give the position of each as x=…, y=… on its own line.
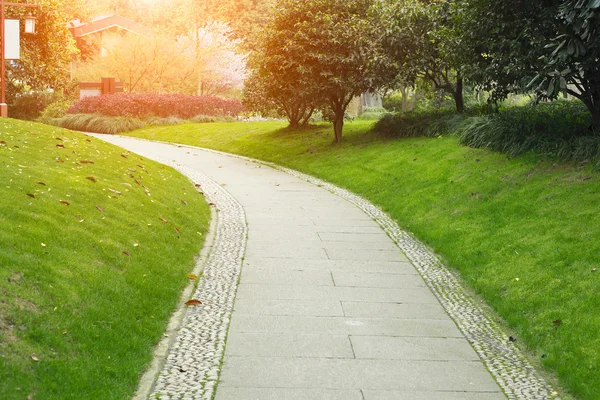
x=31, y=195
x=34, y=358
x=66, y=203
x=59, y=139
x=141, y=166
x=136, y=181
x=193, y=302
x=163, y=220
x=2, y=143
x=197, y=185
x=192, y=277
x=62, y=146
x=177, y=230
x=41, y=183
x=185, y=203
x=124, y=155
x=114, y=191
x=86, y=161
x=211, y=204
x=43, y=244
x=100, y=208
x=128, y=254
x=556, y=322
x=58, y=159
x=91, y=178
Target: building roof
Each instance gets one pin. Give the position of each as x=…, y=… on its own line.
x=102, y=23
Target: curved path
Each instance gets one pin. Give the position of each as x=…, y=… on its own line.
x=328, y=306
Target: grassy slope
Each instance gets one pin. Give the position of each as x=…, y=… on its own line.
x=523, y=232
x=69, y=295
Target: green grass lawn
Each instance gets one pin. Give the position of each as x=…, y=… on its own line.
x=523, y=232
x=89, y=273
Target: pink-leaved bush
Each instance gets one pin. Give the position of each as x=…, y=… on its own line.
x=143, y=105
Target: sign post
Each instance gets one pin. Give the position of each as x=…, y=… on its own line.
x=9, y=47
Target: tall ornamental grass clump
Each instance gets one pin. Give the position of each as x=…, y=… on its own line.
x=145, y=105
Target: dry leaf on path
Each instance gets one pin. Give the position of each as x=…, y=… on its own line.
x=193, y=302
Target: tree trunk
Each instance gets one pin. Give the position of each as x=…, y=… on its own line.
x=458, y=95
x=338, y=126
x=404, y=106
x=596, y=119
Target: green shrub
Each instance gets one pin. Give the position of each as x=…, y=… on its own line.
x=428, y=124
x=28, y=106
x=98, y=123
x=56, y=109
x=560, y=130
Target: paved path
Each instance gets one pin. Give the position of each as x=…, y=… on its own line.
x=328, y=307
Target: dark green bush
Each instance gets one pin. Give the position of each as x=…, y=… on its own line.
x=560, y=129
x=28, y=106
x=429, y=124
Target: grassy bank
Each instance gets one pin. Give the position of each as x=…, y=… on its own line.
x=89, y=273
x=523, y=232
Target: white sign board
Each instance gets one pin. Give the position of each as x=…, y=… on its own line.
x=12, y=46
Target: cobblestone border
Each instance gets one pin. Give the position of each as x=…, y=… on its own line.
x=192, y=366
x=510, y=367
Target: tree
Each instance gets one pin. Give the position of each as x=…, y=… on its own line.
x=573, y=66
x=330, y=47
x=206, y=64
x=502, y=41
x=144, y=64
x=265, y=93
x=275, y=83
x=420, y=39
x=45, y=56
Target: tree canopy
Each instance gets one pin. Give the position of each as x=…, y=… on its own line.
x=324, y=52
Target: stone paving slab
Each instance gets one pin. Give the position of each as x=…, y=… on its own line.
x=418, y=295
x=413, y=348
x=246, y=393
x=343, y=325
x=440, y=395
x=337, y=373
x=388, y=267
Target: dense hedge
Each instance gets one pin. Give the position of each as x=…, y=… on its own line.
x=144, y=105
x=561, y=129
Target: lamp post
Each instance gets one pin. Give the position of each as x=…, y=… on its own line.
x=29, y=28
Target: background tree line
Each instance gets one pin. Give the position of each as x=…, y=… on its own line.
x=318, y=54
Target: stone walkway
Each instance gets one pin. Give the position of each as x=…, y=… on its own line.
x=328, y=306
